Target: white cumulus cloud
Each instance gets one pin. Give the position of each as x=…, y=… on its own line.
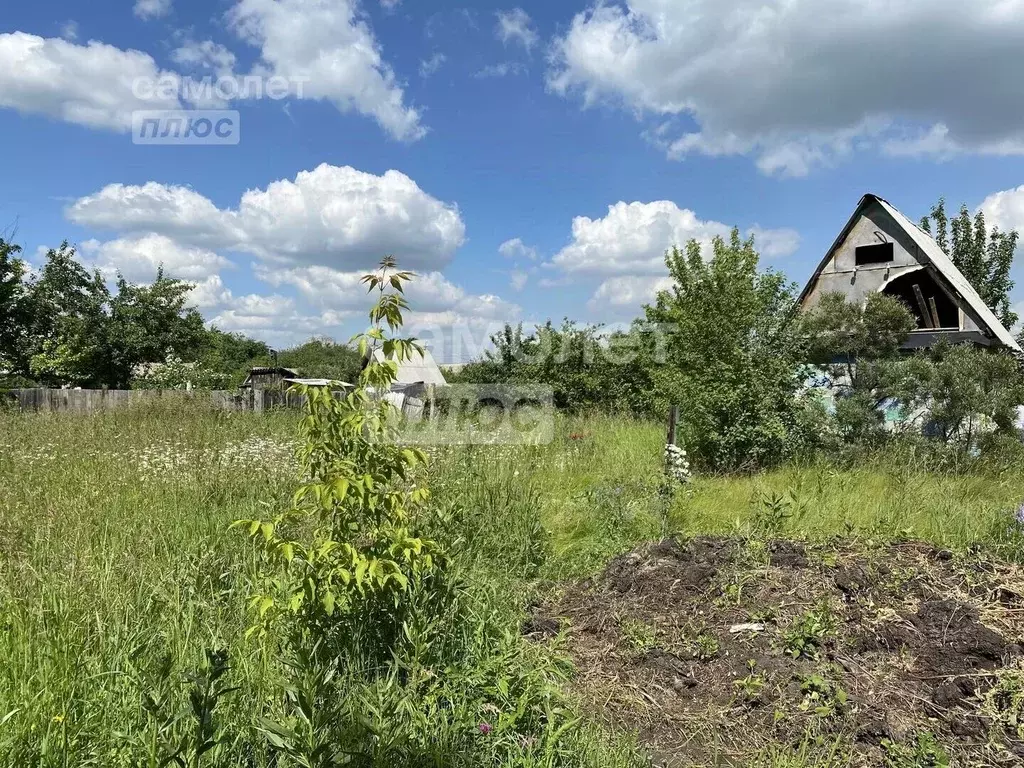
x=517, y=249
x=322, y=50
x=328, y=48
x=1005, y=209
x=431, y=295
x=204, y=55
x=627, y=293
x=332, y=216
x=90, y=85
x=803, y=83
x=633, y=237
x=626, y=250
x=139, y=258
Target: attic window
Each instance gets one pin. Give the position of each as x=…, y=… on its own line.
x=931, y=305
x=882, y=253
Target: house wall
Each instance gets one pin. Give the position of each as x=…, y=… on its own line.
x=842, y=275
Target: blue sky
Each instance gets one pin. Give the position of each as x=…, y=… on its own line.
x=530, y=160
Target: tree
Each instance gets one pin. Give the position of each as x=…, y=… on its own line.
x=858, y=349
x=734, y=355
x=80, y=333
x=149, y=324
x=323, y=359
x=233, y=354
x=985, y=258
x=967, y=391
x=14, y=310
x=585, y=367
x=68, y=331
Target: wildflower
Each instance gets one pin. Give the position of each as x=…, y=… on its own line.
x=677, y=466
x=485, y=728
x=58, y=718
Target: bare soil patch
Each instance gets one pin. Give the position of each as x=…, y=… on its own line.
x=717, y=649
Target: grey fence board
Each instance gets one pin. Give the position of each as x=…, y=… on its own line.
x=97, y=400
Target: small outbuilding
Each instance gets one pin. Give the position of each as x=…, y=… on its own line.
x=418, y=368
x=269, y=378
x=882, y=251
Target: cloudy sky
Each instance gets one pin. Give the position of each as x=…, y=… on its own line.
x=529, y=161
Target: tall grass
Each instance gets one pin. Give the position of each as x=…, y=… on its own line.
x=114, y=556
x=118, y=575
x=118, y=572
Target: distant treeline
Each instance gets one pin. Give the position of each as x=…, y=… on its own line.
x=64, y=326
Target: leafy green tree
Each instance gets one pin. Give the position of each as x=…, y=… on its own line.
x=968, y=391
x=734, y=355
x=858, y=349
x=148, y=324
x=323, y=359
x=586, y=367
x=68, y=341
x=233, y=354
x=80, y=333
x=14, y=308
x=984, y=257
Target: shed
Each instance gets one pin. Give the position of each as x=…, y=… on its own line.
x=418, y=368
x=882, y=251
x=268, y=378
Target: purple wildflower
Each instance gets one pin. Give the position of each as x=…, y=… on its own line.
x=485, y=728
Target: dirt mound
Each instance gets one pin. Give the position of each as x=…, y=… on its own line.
x=718, y=651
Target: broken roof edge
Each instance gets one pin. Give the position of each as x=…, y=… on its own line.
x=935, y=257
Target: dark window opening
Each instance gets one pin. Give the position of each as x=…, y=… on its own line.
x=874, y=254
x=930, y=304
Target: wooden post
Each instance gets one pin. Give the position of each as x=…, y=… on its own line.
x=935, y=312
x=430, y=401
x=673, y=424
x=923, y=306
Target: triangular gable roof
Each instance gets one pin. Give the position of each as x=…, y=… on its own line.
x=933, y=256
x=418, y=367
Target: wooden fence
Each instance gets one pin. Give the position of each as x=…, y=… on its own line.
x=96, y=400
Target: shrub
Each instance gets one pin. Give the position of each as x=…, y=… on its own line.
x=734, y=357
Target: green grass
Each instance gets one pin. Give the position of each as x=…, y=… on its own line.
x=877, y=499
x=115, y=554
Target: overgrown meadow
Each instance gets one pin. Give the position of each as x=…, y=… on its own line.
x=126, y=624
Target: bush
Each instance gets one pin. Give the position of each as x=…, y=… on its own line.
x=734, y=356
x=586, y=368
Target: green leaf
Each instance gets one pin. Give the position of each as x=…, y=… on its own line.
x=265, y=605
x=341, y=486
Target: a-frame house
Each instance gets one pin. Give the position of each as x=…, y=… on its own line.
x=881, y=250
